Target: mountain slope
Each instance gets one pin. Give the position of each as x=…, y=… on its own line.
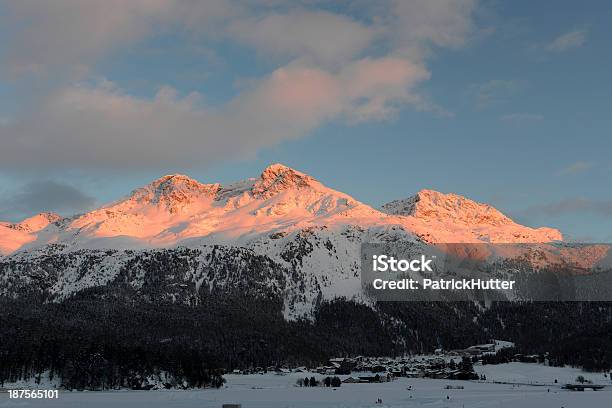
x=14, y=236
x=438, y=217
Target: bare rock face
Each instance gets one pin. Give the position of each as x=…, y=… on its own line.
x=173, y=191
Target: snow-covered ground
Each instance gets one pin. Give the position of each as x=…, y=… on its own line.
x=537, y=374
x=279, y=391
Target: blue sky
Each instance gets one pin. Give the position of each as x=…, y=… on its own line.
x=503, y=102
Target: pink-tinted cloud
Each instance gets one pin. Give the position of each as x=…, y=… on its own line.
x=102, y=126
x=335, y=67
x=365, y=89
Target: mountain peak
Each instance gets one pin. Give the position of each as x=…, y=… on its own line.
x=278, y=177
x=431, y=204
x=36, y=222
x=437, y=212
x=277, y=167
x=172, y=190
x=173, y=180
x=48, y=216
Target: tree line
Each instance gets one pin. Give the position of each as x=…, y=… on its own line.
x=98, y=340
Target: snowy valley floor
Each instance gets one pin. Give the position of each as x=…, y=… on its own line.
x=276, y=391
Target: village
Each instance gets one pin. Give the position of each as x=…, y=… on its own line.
x=418, y=373
x=452, y=365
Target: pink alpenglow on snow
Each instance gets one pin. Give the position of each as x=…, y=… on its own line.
x=13, y=236
x=178, y=210
x=439, y=217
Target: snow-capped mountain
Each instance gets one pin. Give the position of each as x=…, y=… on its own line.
x=176, y=209
x=282, y=232
x=438, y=217
x=14, y=236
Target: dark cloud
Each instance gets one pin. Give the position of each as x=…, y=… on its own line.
x=44, y=195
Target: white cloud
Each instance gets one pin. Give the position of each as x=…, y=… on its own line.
x=318, y=36
x=100, y=126
x=336, y=67
x=567, y=41
x=60, y=34
x=74, y=34
x=444, y=23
